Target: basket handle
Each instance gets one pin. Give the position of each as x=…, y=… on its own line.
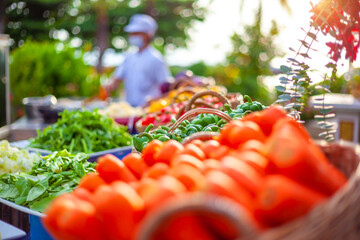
x=197, y=111
x=221, y=97
x=184, y=90
x=198, y=102
x=182, y=83
x=205, y=206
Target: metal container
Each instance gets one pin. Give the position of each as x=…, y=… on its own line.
x=34, y=105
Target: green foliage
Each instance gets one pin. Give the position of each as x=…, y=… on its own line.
x=39, y=19
x=53, y=175
x=39, y=69
x=82, y=131
x=338, y=85
x=295, y=87
x=250, y=60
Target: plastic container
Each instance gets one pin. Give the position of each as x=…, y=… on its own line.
x=37, y=231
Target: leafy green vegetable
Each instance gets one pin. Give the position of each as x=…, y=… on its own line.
x=57, y=173
x=14, y=160
x=82, y=131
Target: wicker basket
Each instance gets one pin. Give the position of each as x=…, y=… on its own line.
x=194, y=112
x=197, y=101
x=336, y=219
x=339, y=217
x=141, y=128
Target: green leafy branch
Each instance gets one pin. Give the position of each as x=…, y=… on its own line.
x=295, y=82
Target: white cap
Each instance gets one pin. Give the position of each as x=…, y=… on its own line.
x=141, y=23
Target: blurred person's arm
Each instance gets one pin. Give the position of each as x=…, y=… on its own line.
x=115, y=80
x=163, y=76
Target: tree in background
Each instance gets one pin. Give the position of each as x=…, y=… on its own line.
x=99, y=23
x=250, y=60
x=247, y=63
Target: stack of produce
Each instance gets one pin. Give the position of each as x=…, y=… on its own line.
x=121, y=110
x=266, y=163
x=50, y=177
x=164, y=115
x=179, y=96
x=161, y=117
x=183, y=128
x=203, y=122
x=82, y=131
x=14, y=160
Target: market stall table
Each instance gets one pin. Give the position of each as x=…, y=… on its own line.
x=8, y=232
x=25, y=128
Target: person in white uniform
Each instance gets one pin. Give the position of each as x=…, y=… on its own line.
x=144, y=71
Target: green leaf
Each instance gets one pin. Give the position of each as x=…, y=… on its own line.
x=298, y=105
x=312, y=35
x=289, y=106
x=285, y=97
x=305, y=55
x=9, y=192
x=333, y=33
x=326, y=110
x=305, y=44
x=315, y=25
x=293, y=60
x=23, y=186
x=79, y=169
x=2, y=185
x=35, y=192
x=284, y=69
x=41, y=205
x=342, y=17
x=280, y=88
x=20, y=200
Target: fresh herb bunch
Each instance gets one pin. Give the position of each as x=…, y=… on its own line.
x=82, y=131
x=57, y=173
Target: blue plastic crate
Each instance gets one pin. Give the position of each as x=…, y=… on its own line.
x=37, y=230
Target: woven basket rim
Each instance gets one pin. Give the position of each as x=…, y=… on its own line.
x=328, y=219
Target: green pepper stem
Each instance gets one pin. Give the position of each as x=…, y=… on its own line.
x=145, y=134
x=149, y=127
x=247, y=98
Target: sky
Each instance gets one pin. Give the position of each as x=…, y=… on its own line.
x=210, y=40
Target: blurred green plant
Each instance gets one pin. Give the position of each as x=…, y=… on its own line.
x=38, y=69
x=247, y=64
x=250, y=59
x=97, y=23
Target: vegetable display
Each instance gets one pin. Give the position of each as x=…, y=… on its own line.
x=14, y=160
x=82, y=131
x=162, y=116
x=203, y=122
x=179, y=95
x=245, y=108
x=121, y=110
x=57, y=173
x=265, y=162
x=183, y=128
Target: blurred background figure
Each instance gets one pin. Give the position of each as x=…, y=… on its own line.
x=144, y=71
